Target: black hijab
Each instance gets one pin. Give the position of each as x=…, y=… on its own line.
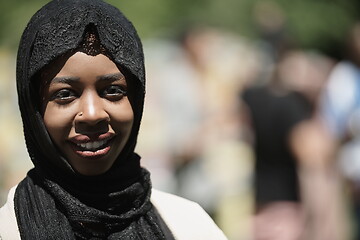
x=54, y=201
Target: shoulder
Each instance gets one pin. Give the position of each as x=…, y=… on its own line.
x=8, y=224
x=186, y=219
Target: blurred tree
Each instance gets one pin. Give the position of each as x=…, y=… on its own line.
x=14, y=16
x=319, y=24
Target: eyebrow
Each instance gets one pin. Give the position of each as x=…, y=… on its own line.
x=66, y=80
x=108, y=78
x=111, y=77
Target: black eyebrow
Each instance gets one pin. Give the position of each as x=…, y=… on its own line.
x=108, y=77
x=66, y=80
x=111, y=77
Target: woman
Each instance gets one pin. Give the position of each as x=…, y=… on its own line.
x=81, y=85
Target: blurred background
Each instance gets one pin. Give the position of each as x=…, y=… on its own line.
x=252, y=110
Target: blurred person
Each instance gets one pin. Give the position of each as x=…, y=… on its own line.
x=81, y=87
x=223, y=157
x=193, y=98
x=340, y=107
x=340, y=100
x=174, y=107
x=275, y=113
x=322, y=200
x=270, y=23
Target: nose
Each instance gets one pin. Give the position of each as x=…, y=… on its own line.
x=91, y=112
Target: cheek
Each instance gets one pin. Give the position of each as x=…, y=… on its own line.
x=57, y=121
x=122, y=118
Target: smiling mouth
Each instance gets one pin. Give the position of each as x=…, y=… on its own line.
x=93, y=149
x=93, y=146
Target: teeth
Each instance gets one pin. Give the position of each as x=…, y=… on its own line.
x=92, y=145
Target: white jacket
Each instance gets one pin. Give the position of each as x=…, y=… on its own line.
x=185, y=219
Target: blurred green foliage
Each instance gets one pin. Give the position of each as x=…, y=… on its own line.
x=319, y=24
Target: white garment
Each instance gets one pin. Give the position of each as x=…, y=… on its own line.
x=340, y=99
x=185, y=219
x=8, y=225
x=340, y=108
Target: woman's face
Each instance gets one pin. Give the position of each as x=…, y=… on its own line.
x=87, y=112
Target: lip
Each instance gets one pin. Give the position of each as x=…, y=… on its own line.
x=79, y=142
x=90, y=154
x=82, y=138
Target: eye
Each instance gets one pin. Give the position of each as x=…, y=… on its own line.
x=64, y=96
x=114, y=92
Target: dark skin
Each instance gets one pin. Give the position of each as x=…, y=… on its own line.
x=86, y=111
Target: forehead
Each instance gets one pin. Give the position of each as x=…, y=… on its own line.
x=84, y=64
x=81, y=66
